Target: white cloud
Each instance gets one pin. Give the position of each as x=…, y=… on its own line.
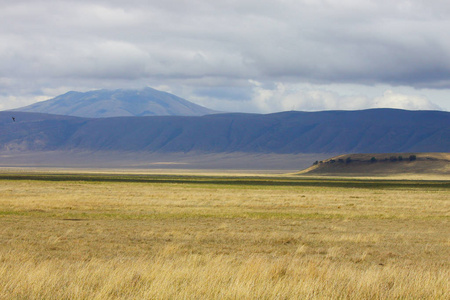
x=10, y=102
x=411, y=102
x=314, y=98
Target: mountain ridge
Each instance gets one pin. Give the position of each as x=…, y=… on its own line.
x=366, y=131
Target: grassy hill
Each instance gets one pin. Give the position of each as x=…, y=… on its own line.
x=383, y=164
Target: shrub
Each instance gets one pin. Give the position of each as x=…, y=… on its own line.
x=412, y=157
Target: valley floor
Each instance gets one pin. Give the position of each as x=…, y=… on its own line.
x=235, y=162
x=109, y=236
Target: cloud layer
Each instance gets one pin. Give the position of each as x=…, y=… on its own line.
x=196, y=46
x=282, y=98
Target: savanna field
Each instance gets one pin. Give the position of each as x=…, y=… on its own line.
x=198, y=237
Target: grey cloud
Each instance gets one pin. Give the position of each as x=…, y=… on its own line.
x=339, y=41
x=50, y=44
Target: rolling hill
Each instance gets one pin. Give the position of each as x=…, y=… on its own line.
x=115, y=103
x=367, y=131
x=385, y=164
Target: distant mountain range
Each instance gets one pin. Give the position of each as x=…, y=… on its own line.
x=366, y=131
x=117, y=103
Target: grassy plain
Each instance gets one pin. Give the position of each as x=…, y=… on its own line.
x=99, y=236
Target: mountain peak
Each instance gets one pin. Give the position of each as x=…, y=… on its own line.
x=118, y=103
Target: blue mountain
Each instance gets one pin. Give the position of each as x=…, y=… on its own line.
x=365, y=131
x=115, y=103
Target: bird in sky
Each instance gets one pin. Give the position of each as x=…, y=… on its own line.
x=14, y=119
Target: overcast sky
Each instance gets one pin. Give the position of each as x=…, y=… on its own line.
x=243, y=55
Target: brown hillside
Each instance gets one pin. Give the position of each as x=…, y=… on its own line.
x=383, y=164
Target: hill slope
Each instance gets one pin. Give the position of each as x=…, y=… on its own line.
x=368, y=131
x=107, y=103
x=382, y=164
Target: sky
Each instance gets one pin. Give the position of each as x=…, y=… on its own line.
x=245, y=55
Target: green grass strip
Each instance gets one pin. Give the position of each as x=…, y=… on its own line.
x=235, y=180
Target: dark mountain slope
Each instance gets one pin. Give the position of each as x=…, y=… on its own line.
x=114, y=103
x=36, y=132
x=368, y=131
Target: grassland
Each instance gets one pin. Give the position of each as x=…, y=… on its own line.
x=99, y=236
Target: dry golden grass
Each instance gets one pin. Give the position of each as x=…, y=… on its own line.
x=125, y=240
